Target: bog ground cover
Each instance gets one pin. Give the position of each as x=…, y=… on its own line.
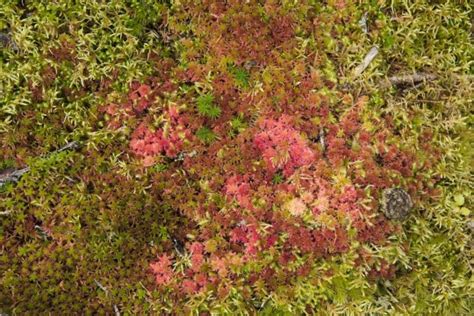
x=236, y=157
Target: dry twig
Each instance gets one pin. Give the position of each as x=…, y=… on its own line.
x=15, y=175
x=366, y=62
x=408, y=79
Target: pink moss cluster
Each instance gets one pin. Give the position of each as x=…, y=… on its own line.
x=169, y=140
x=288, y=176
x=282, y=146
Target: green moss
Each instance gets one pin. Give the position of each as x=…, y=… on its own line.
x=207, y=107
x=102, y=218
x=205, y=135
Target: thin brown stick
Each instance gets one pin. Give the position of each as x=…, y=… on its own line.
x=411, y=79
x=15, y=175
x=419, y=77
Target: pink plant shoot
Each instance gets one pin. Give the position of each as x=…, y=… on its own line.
x=237, y=188
x=169, y=140
x=282, y=146
x=162, y=269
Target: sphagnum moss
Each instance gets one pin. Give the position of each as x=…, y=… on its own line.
x=205, y=215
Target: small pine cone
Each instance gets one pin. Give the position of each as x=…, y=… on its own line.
x=396, y=203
